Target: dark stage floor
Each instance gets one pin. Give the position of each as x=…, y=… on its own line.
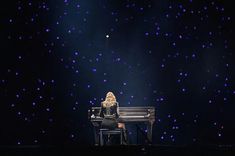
x=132, y=150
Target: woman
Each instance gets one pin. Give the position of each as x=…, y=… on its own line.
x=110, y=113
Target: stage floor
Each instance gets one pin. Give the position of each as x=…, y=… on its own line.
x=131, y=150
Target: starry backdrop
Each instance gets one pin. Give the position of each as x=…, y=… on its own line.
x=59, y=58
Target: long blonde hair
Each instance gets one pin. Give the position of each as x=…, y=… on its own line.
x=110, y=100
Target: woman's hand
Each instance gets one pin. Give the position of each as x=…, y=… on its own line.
x=121, y=125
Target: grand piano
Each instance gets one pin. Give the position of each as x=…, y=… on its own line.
x=127, y=115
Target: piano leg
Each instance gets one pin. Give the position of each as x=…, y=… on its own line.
x=96, y=136
x=149, y=131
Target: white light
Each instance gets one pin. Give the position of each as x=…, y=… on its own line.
x=107, y=36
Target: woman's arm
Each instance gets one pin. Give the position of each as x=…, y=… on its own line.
x=117, y=113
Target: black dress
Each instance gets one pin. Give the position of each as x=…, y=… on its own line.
x=110, y=116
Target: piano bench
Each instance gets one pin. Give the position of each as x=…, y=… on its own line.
x=117, y=131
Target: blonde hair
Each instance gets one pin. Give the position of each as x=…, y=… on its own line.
x=110, y=100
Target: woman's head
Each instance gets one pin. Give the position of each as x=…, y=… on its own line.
x=110, y=99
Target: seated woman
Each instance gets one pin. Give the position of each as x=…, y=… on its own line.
x=110, y=113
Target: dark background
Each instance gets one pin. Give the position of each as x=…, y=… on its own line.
x=59, y=58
